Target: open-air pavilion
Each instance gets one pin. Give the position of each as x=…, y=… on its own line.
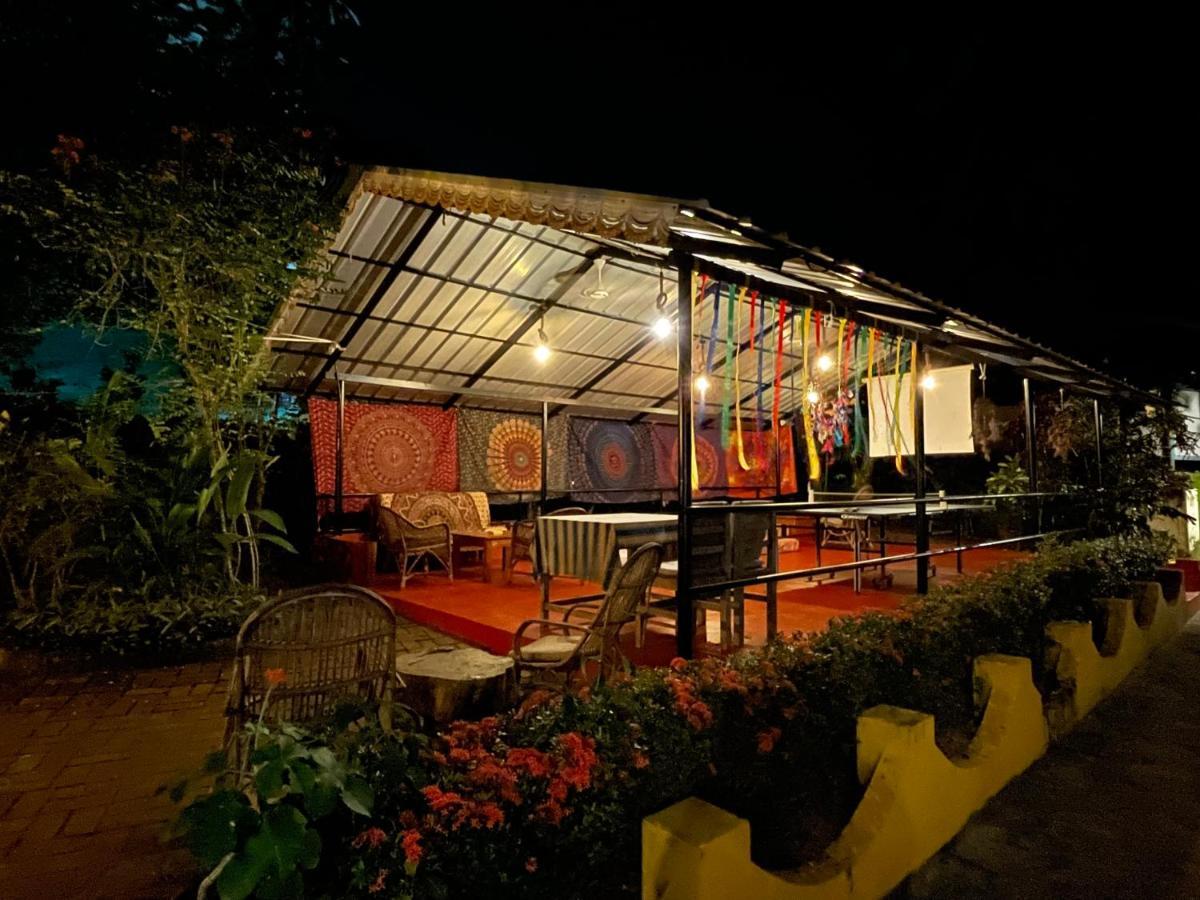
x=551, y=346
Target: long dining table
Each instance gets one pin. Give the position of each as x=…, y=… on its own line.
x=588, y=547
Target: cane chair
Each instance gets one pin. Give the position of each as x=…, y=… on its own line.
x=324, y=645
x=566, y=647
x=411, y=544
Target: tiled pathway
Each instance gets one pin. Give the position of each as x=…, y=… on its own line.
x=81, y=758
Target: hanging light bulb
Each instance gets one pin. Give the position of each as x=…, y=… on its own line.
x=701, y=383
x=541, y=350
x=662, y=325
x=928, y=382
x=824, y=362
x=814, y=396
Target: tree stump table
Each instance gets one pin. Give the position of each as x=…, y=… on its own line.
x=448, y=683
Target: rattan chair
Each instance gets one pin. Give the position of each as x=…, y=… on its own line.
x=411, y=544
x=566, y=647
x=333, y=642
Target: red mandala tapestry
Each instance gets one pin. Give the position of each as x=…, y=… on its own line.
x=389, y=447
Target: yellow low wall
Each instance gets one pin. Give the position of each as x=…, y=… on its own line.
x=916, y=798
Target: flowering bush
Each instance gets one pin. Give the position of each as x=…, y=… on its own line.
x=546, y=801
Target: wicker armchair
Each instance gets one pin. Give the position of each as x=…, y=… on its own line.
x=566, y=647
x=409, y=544
x=333, y=642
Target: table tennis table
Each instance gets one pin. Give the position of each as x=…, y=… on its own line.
x=859, y=520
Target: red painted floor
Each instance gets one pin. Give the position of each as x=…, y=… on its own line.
x=488, y=616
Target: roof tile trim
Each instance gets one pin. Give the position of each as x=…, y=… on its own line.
x=609, y=214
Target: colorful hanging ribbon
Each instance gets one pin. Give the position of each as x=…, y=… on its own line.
x=810, y=440
x=727, y=381
x=712, y=343
x=860, y=338
x=697, y=297
x=897, y=428
x=737, y=382
x=758, y=393
x=778, y=366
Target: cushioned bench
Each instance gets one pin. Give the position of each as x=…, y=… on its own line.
x=464, y=511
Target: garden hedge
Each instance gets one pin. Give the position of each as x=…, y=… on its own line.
x=547, y=801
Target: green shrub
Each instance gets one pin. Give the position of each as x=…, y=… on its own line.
x=546, y=801
x=132, y=625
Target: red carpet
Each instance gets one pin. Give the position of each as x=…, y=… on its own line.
x=487, y=616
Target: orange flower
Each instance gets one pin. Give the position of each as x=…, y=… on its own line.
x=640, y=759
x=531, y=864
x=678, y=664
x=379, y=883
x=411, y=842
x=372, y=838
x=767, y=739
x=276, y=677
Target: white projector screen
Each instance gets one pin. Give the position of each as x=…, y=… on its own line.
x=947, y=413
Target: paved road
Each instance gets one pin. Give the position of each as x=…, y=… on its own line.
x=1112, y=811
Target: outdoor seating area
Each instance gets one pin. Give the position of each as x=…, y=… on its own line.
x=505, y=407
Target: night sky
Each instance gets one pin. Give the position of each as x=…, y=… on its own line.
x=1045, y=183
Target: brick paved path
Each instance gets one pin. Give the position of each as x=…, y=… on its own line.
x=81, y=757
x=1109, y=812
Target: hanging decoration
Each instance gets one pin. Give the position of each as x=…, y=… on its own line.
x=814, y=459
x=762, y=318
x=712, y=343
x=860, y=442
x=737, y=381
x=779, y=364
x=727, y=380
x=897, y=434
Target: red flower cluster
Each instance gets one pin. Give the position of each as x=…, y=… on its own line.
x=411, y=843
x=768, y=738
x=694, y=711
x=454, y=810
x=67, y=152
x=380, y=882
x=372, y=837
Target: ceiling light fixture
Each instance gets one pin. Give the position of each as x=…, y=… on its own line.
x=662, y=326
x=928, y=382
x=541, y=350
x=814, y=397
x=598, y=292
x=701, y=383
x=824, y=362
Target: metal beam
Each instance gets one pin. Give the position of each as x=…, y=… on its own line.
x=425, y=387
x=685, y=609
x=375, y=299
x=524, y=328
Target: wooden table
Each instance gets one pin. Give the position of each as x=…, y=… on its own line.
x=353, y=553
x=448, y=683
x=495, y=546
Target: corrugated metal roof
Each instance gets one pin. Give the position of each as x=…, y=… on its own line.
x=430, y=284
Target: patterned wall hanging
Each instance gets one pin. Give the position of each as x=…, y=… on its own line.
x=388, y=447
x=610, y=461
x=710, y=462
x=499, y=453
